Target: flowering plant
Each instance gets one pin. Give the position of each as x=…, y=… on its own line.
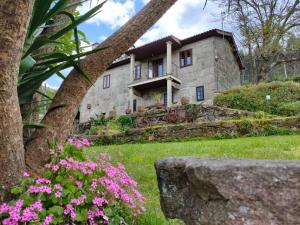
x=74, y=190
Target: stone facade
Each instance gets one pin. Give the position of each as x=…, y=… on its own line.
x=215, y=66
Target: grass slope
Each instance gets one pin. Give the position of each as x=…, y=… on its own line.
x=139, y=160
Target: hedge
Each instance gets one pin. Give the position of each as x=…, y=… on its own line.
x=253, y=98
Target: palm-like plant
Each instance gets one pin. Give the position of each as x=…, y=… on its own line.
x=37, y=67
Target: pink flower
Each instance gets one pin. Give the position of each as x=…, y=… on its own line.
x=25, y=174
x=4, y=208
x=55, y=168
x=48, y=166
x=99, y=201
x=121, y=166
x=51, y=152
x=78, y=201
x=48, y=219
x=42, y=181
x=57, y=194
x=42, y=189
x=60, y=148
x=58, y=187
x=79, y=184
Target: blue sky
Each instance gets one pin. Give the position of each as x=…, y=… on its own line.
x=186, y=18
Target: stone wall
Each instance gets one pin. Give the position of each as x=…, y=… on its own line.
x=226, y=70
x=229, y=192
x=222, y=129
x=187, y=113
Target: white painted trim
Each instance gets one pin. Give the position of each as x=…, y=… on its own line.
x=154, y=80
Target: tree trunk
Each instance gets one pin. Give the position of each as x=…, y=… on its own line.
x=14, y=18
x=69, y=96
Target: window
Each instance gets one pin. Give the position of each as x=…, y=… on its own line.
x=134, y=105
x=137, y=72
x=158, y=68
x=106, y=81
x=165, y=98
x=185, y=58
x=200, y=93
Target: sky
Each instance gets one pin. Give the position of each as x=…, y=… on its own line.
x=185, y=18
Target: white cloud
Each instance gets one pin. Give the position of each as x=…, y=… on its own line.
x=186, y=18
x=114, y=13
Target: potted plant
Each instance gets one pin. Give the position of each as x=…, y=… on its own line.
x=113, y=113
x=157, y=99
x=141, y=108
x=128, y=111
x=184, y=100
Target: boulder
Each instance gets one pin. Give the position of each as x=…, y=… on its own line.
x=230, y=192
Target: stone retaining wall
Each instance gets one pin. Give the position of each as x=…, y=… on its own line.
x=207, y=129
x=176, y=114
x=186, y=113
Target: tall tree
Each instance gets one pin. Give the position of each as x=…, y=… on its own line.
x=65, y=105
x=14, y=18
x=262, y=25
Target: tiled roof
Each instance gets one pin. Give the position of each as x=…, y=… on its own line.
x=159, y=46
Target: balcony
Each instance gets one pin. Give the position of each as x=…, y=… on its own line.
x=149, y=82
x=157, y=76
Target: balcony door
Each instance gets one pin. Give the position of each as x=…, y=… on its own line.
x=158, y=68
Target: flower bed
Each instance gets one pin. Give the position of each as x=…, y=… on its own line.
x=74, y=190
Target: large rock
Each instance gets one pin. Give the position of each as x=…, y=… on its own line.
x=230, y=192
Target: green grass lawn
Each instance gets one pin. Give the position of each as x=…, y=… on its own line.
x=139, y=160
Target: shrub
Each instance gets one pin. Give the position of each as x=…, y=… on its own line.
x=296, y=79
x=100, y=120
x=125, y=122
x=253, y=97
x=289, y=109
x=74, y=190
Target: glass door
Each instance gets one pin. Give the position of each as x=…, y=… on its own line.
x=158, y=68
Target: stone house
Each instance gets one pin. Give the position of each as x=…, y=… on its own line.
x=196, y=67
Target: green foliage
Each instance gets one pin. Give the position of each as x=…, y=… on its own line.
x=289, y=109
x=253, y=97
x=109, y=126
x=156, y=97
x=100, y=120
x=37, y=67
x=296, y=79
x=74, y=190
x=125, y=122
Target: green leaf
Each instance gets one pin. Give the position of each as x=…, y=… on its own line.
x=40, y=9
x=60, y=75
x=78, y=21
x=82, y=73
x=33, y=125
x=56, y=210
x=38, y=43
x=26, y=64
x=71, y=57
x=43, y=94
x=16, y=190
x=76, y=38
